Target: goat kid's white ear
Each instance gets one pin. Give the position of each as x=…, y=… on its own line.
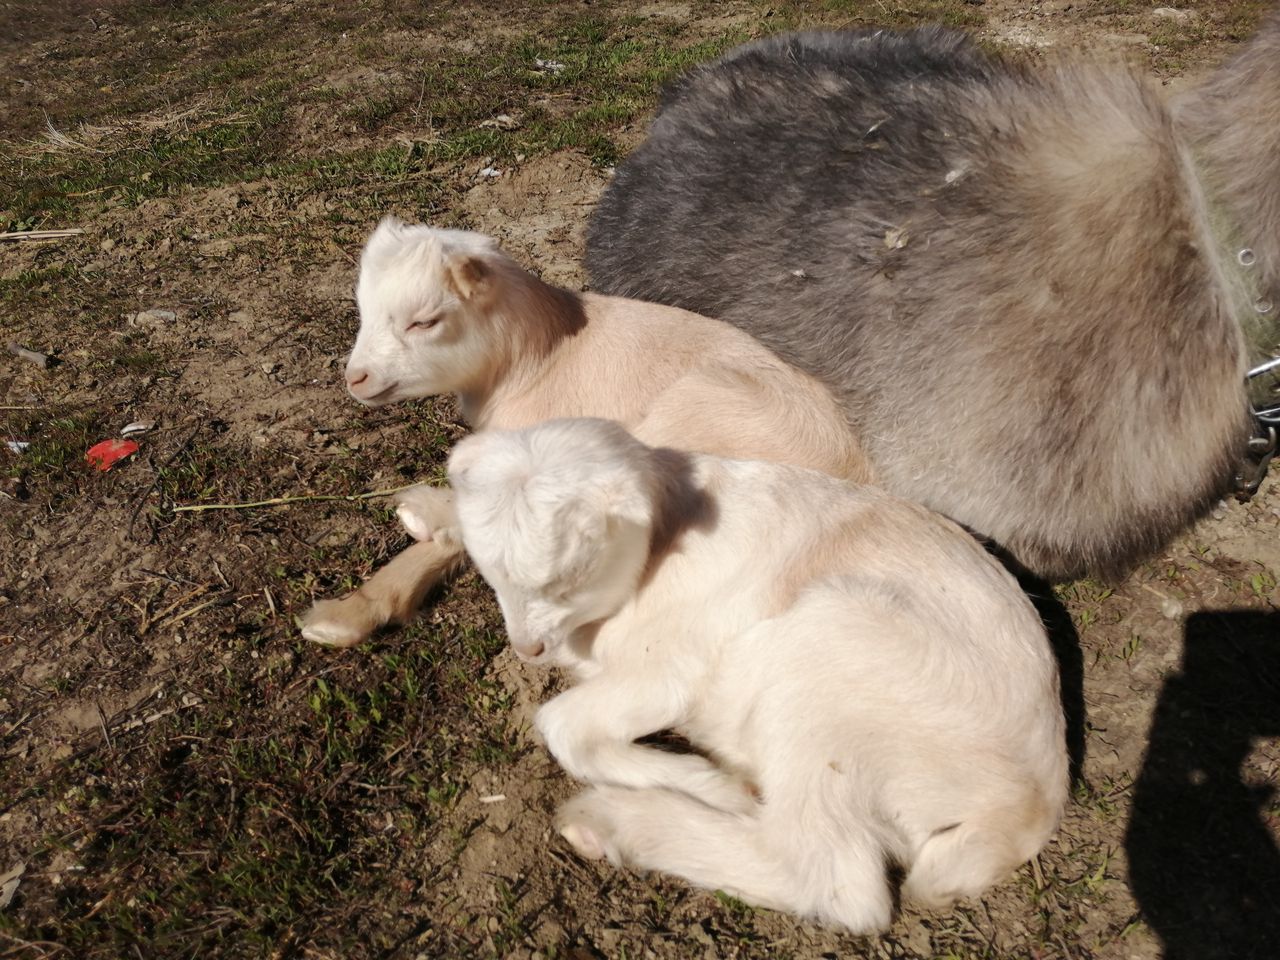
x=464, y=456
x=386, y=241
x=389, y=232
x=624, y=503
x=467, y=276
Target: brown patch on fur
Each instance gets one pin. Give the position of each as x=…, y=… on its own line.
x=466, y=277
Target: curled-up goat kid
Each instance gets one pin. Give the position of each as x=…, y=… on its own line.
x=866, y=686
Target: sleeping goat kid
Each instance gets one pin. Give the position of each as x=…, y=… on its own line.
x=1035, y=290
x=444, y=311
x=873, y=688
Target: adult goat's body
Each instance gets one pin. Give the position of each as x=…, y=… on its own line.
x=1009, y=276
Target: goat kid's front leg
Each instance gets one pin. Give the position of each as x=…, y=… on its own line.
x=591, y=730
x=395, y=592
x=392, y=595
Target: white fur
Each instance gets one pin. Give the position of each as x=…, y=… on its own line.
x=856, y=663
x=444, y=311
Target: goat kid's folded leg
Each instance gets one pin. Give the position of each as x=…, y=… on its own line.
x=768, y=861
x=392, y=595
x=590, y=730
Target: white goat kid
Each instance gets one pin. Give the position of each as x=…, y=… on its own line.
x=444, y=311
x=858, y=664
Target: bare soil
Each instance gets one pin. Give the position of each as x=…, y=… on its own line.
x=182, y=775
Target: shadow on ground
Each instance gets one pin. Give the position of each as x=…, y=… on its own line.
x=1064, y=639
x=1204, y=866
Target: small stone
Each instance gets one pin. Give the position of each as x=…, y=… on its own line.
x=1171, y=609
x=550, y=934
x=1171, y=13
x=153, y=317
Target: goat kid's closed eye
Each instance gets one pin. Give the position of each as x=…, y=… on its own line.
x=425, y=323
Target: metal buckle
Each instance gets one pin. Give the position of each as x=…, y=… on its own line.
x=1261, y=448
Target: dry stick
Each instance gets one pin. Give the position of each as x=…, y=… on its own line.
x=102, y=724
x=282, y=501
x=41, y=234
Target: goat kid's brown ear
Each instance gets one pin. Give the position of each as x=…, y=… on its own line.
x=467, y=276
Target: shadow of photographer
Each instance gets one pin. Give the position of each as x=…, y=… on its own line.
x=1203, y=863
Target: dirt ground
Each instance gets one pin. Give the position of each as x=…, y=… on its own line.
x=181, y=775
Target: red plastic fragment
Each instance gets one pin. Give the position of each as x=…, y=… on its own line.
x=105, y=454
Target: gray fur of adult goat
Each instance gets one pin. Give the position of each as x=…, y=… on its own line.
x=1022, y=283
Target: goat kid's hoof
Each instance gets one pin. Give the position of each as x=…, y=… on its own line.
x=585, y=843
x=583, y=822
x=427, y=513
x=328, y=624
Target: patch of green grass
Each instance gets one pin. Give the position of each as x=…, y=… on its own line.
x=37, y=279
x=57, y=445
x=856, y=13
x=51, y=186
x=246, y=826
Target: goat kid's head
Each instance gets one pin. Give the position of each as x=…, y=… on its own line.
x=557, y=519
x=423, y=295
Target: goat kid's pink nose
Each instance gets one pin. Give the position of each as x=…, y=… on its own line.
x=356, y=377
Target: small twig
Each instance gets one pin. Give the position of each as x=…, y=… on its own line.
x=39, y=359
x=270, y=601
x=41, y=234
x=136, y=722
x=1037, y=873
x=102, y=723
x=283, y=501
x=143, y=612
x=221, y=576
x=156, y=618
x=25, y=946
x=192, y=612
x=16, y=724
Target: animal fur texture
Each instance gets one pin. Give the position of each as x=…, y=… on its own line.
x=868, y=685
x=1021, y=283
x=445, y=311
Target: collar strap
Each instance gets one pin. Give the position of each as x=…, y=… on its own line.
x=1262, y=382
